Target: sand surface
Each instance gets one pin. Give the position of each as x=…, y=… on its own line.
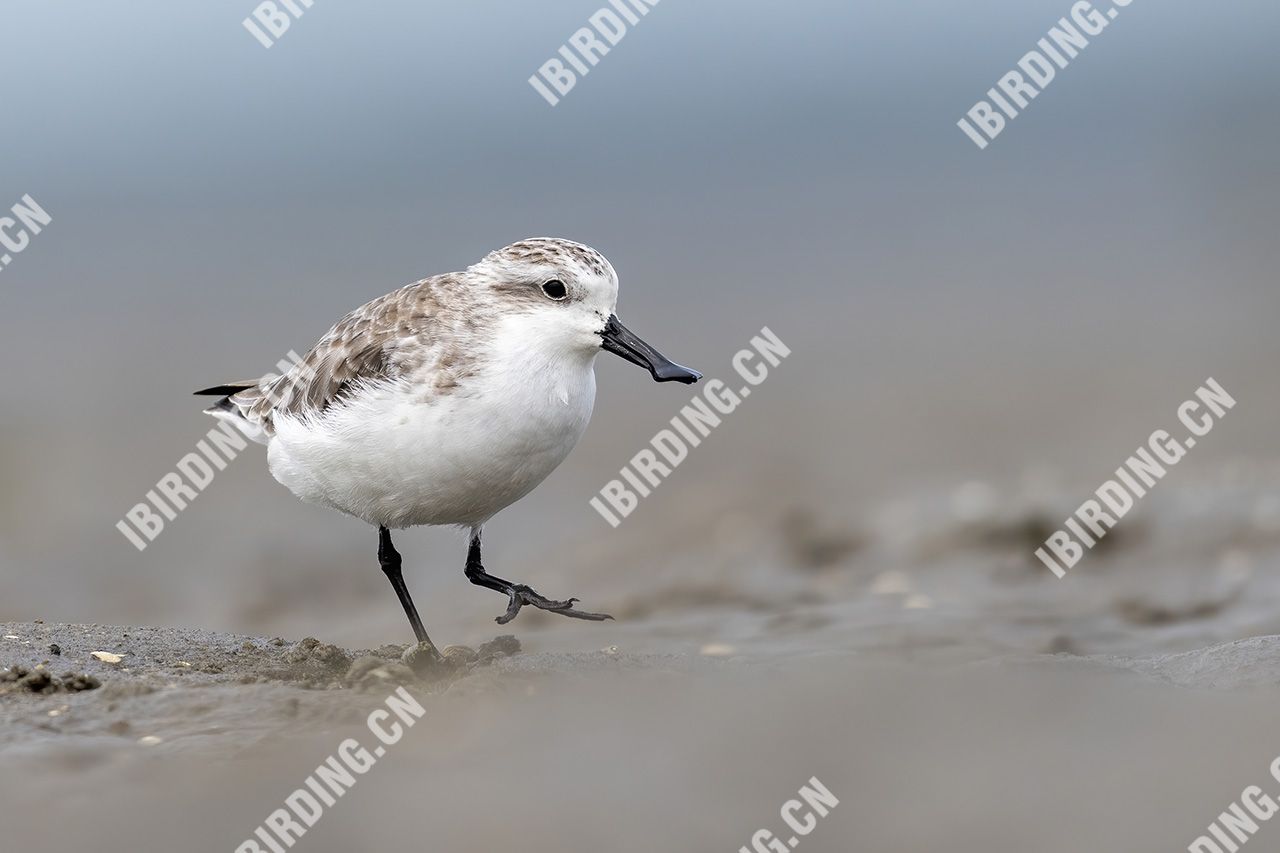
x=192, y=738
x=911, y=655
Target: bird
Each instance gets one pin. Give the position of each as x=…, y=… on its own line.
x=447, y=400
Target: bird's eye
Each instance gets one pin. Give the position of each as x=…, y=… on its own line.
x=555, y=289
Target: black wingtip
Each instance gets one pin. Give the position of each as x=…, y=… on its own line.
x=219, y=391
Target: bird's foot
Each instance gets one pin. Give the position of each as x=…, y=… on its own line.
x=522, y=595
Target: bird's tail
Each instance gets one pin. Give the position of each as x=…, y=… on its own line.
x=237, y=412
x=228, y=389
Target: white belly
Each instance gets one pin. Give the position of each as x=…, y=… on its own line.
x=392, y=459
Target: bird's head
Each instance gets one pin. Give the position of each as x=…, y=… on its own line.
x=565, y=295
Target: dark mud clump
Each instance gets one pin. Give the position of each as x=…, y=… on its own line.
x=424, y=660
x=188, y=688
x=428, y=662
x=378, y=674
x=391, y=651
x=459, y=657
x=499, y=647
x=19, y=679
x=312, y=661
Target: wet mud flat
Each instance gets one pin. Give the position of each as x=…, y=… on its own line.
x=192, y=738
x=186, y=689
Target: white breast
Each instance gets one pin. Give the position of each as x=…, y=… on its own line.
x=395, y=456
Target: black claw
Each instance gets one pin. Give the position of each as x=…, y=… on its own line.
x=522, y=595
x=512, y=609
x=519, y=594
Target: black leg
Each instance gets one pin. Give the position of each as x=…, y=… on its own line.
x=389, y=557
x=519, y=594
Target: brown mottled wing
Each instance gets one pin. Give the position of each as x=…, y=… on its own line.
x=365, y=346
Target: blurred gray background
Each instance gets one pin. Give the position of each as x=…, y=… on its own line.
x=956, y=316
x=838, y=582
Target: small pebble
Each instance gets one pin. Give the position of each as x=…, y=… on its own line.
x=717, y=650
x=106, y=657
x=149, y=740
x=39, y=681
x=55, y=649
